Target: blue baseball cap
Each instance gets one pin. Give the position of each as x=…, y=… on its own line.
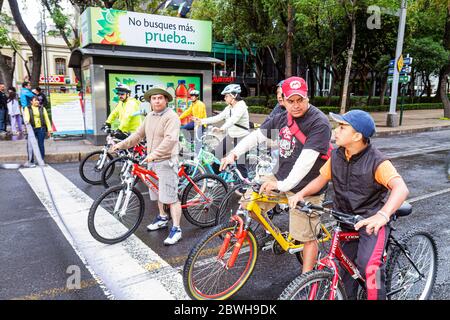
x=360, y=120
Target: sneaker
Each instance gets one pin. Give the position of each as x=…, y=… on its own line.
x=174, y=236
x=158, y=223
x=29, y=165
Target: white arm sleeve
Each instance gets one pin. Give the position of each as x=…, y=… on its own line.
x=216, y=118
x=250, y=141
x=301, y=168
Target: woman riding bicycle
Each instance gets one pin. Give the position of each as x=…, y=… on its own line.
x=236, y=124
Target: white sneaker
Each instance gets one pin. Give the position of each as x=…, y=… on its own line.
x=158, y=223
x=174, y=236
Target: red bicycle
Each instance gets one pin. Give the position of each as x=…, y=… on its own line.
x=411, y=263
x=117, y=213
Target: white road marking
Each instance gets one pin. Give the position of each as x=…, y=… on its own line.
x=121, y=267
x=430, y=195
x=418, y=151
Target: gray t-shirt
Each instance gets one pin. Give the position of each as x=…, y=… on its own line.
x=315, y=126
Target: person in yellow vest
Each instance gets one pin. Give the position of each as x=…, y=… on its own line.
x=197, y=110
x=37, y=117
x=127, y=111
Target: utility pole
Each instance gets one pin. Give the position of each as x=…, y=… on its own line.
x=44, y=49
x=392, y=117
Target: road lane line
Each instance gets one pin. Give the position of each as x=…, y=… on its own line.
x=418, y=151
x=430, y=195
x=119, y=267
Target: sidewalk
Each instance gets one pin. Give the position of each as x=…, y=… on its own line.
x=57, y=151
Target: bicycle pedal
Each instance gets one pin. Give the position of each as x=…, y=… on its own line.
x=268, y=245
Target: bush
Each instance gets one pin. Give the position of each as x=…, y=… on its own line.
x=272, y=102
x=414, y=106
x=256, y=101
x=218, y=106
x=259, y=109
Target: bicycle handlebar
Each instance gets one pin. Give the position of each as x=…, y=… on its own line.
x=345, y=218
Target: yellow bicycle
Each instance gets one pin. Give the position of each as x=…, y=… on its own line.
x=223, y=259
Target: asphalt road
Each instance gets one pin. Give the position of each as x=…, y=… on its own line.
x=36, y=255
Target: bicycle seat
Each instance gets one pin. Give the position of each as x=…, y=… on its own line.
x=404, y=210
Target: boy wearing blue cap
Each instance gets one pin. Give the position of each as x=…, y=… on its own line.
x=362, y=177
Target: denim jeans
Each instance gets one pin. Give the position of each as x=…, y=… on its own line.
x=39, y=133
x=3, y=119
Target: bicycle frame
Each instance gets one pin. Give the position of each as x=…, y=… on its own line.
x=145, y=174
x=336, y=254
x=262, y=217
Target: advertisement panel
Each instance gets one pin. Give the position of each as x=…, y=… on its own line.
x=179, y=85
x=67, y=113
x=127, y=28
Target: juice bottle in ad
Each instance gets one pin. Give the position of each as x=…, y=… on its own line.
x=171, y=89
x=181, y=98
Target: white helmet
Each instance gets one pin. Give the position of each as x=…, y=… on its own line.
x=195, y=93
x=122, y=88
x=231, y=88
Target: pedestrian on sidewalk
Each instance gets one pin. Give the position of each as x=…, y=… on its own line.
x=161, y=128
x=26, y=94
x=14, y=111
x=37, y=117
x=43, y=102
x=3, y=108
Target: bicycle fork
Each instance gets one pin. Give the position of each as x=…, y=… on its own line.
x=127, y=193
x=240, y=235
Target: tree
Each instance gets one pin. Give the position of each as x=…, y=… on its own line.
x=31, y=41
x=429, y=57
x=445, y=70
x=351, y=15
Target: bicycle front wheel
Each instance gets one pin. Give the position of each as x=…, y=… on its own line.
x=205, y=273
x=412, y=267
x=313, y=285
x=116, y=214
x=201, y=210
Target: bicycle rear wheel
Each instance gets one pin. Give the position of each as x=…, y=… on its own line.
x=202, y=210
x=313, y=285
x=109, y=221
x=205, y=275
x=92, y=165
x=403, y=281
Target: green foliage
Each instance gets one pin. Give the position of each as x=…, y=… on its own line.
x=256, y=101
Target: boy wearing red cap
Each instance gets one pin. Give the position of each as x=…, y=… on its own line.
x=362, y=177
x=299, y=161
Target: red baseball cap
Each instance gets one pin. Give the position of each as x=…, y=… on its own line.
x=294, y=85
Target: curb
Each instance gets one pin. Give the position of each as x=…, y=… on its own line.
x=49, y=158
x=409, y=131
x=70, y=157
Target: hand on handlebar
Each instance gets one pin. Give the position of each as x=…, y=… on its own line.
x=268, y=186
x=114, y=148
x=296, y=198
x=224, y=162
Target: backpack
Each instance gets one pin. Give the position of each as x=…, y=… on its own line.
x=295, y=130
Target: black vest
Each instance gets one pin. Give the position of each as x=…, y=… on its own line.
x=356, y=190
x=41, y=115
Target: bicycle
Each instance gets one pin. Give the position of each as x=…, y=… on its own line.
x=222, y=261
x=110, y=176
x=94, y=163
x=406, y=263
x=119, y=210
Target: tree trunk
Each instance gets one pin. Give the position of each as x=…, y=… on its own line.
x=349, y=64
x=290, y=40
x=31, y=41
x=383, y=89
x=445, y=71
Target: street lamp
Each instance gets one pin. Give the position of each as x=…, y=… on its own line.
x=392, y=117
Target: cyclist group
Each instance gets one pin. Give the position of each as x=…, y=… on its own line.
x=362, y=177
